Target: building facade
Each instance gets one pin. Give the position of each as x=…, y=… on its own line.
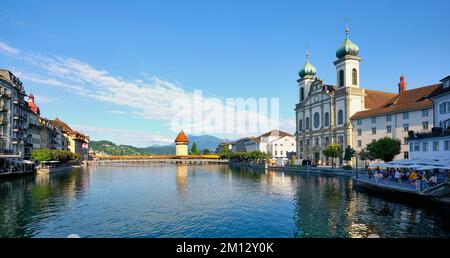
x=76, y=142
x=324, y=111
x=14, y=116
x=409, y=110
x=435, y=143
x=350, y=115
x=278, y=143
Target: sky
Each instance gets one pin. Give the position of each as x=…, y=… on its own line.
x=112, y=69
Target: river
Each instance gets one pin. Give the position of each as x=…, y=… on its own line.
x=204, y=201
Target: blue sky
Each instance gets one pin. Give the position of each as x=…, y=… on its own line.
x=133, y=50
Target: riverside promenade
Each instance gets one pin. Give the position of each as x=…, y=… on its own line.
x=439, y=194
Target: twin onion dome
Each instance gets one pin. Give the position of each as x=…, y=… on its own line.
x=348, y=47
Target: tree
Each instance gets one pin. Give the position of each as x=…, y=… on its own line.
x=63, y=156
x=194, y=150
x=206, y=152
x=349, y=153
x=41, y=155
x=385, y=149
x=333, y=151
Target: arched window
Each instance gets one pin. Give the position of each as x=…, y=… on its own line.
x=340, y=117
x=354, y=77
x=341, y=78
x=300, y=125
x=307, y=123
x=316, y=120
x=302, y=94
x=327, y=119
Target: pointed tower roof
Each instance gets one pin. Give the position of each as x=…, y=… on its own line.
x=181, y=138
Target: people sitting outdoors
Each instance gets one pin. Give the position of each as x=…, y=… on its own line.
x=397, y=176
x=413, y=177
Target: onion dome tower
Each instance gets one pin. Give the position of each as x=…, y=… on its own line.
x=181, y=144
x=308, y=69
x=347, y=65
x=348, y=48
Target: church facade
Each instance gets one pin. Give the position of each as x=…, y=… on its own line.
x=350, y=115
x=324, y=111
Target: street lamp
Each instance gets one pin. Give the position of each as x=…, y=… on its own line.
x=356, y=156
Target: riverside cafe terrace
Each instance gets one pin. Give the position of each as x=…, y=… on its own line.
x=410, y=174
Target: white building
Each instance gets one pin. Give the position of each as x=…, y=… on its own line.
x=275, y=142
x=409, y=110
x=434, y=144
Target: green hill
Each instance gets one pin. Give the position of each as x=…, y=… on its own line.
x=108, y=147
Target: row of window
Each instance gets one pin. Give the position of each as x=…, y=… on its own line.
x=435, y=146
x=317, y=121
x=354, y=77
x=444, y=108
x=425, y=126
x=425, y=113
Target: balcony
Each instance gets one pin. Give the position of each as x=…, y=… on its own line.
x=434, y=133
x=4, y=94
x=6, y=152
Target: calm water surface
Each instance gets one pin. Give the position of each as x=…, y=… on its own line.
x=203, y=201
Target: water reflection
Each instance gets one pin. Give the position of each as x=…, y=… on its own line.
x=203, y=201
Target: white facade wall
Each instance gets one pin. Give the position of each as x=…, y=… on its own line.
x=281, y=146
x=442, y=110
x=430, y=148
x=415, y=123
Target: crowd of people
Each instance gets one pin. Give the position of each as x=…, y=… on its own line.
x=401, y=175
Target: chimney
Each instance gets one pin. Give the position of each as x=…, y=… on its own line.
x=402, y=85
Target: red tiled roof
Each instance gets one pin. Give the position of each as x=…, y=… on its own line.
x=376, y=98
x=408, y=100
x=182, y=138
x=65, y=128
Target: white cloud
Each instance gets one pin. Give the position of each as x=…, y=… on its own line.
x=6, y=49
x=122, y=136
x=41, y=99
x=149, y=98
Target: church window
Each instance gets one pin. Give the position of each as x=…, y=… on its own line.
x=341, y=78
x=340, y=117
x=302, y=94
x=316, y=120
x=307, y=123
x=300, y=125
x=354, y=77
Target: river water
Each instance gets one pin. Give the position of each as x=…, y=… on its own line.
x=204, y=201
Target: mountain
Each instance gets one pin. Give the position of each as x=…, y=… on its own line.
x=203, y=142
